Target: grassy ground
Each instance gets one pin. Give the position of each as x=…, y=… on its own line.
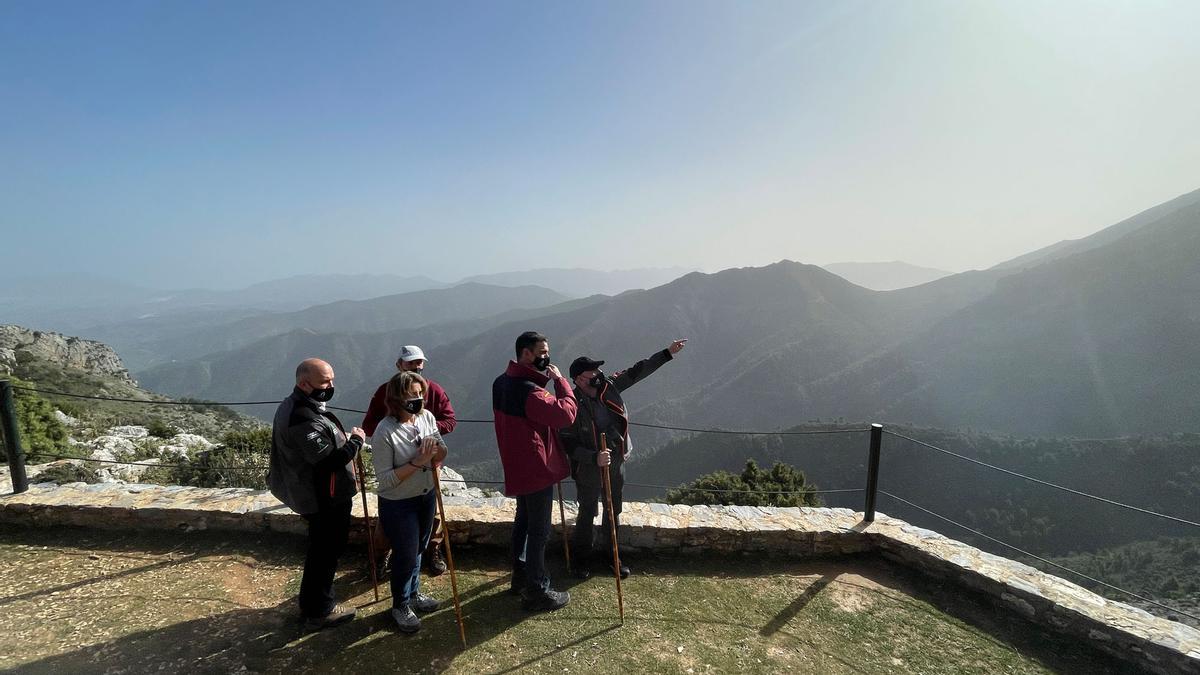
x=88, y=601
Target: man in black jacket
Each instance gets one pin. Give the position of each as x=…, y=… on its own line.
x=311, y=472
x=601, y=411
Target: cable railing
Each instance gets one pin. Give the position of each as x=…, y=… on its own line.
x=871, y=489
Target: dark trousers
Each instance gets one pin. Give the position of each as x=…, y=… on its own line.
x=590, y=493
x=408, y=524
x=328, y=530
x=531, y=529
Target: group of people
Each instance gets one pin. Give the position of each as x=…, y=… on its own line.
x=548, y=427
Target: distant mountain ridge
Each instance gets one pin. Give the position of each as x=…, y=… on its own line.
x=584, y=282
x=1101, y=342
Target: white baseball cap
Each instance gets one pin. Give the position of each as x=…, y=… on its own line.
x=411, y=353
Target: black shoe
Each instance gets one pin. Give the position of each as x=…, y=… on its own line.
x=339, y=615
x=580, y=572
x=536, y=600
x=518, y=580
x=383, y=568
x=607, y=566
x=434, y=565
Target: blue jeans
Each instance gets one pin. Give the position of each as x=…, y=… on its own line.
x=531, y=529
x=408, y=524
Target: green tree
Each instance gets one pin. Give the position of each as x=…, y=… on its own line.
x=42, y=435
x=783, y=485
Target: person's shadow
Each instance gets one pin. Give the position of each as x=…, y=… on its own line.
x=214, y=644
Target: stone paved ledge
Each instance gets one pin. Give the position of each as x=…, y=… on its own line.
x=1140, y=638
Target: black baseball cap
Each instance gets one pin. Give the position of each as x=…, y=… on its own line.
x=582, y=365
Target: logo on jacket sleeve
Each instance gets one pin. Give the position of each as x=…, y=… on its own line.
x=544, y=395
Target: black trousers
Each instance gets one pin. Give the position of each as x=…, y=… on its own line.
x=531, y=530
x=590, y=493
x=328, y=530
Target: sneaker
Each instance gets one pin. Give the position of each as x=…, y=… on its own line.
x=434, y=565
x=424, y=604
x=406, y=620
x=535, y=600
x=340, y=614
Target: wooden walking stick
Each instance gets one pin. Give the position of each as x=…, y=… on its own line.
x=362, y=479
x=562, y=516
x=437, y=489
x=612, y=525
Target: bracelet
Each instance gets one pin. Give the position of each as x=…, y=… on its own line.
x=417, y=466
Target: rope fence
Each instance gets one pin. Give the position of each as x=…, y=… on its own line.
x=1039, y=558
x=871, y=489
x=1039, y=481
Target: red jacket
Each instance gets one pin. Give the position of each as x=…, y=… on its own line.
x=436, y=401
x=527, y=419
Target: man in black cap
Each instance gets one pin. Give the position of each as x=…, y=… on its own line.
x=601, y=411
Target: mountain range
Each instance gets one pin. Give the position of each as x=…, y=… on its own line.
x=1094, y=337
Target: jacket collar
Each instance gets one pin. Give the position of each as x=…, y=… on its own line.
x=303, y=399
x=526, y=373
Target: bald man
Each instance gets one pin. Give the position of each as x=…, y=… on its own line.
x=311, y=473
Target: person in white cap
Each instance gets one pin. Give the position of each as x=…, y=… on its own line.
x=412, y=359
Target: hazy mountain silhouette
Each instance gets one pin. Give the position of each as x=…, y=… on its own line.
x=1103, y=341
x=584, y=282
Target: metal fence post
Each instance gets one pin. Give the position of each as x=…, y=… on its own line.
x=12, y=439
x=873, y=472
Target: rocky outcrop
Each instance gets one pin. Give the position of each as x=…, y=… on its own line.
x=19, y=344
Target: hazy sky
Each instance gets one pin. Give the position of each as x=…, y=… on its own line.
x=220, y=143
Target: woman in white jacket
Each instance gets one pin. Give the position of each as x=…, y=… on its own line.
x=406, y=448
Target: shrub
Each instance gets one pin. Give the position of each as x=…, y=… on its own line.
x=751, y=488
x=67, y=472
x=42, y=435
x=160, y=429
x=240, y=460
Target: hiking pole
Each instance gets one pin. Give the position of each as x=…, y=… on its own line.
x=362, y=481
x=437, y=489
x=562, y=516
x=612, y=525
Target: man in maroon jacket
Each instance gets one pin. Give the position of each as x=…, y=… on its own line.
x=527, y=419
x=438, y=403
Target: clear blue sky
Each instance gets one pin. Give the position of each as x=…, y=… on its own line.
x=214, y=144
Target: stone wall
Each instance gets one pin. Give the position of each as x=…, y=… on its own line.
x=1135, y=636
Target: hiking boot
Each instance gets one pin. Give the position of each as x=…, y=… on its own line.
x=406, y=620
x=434, y=565
x=423, y=603
x=536, y=600
x=340, y=614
